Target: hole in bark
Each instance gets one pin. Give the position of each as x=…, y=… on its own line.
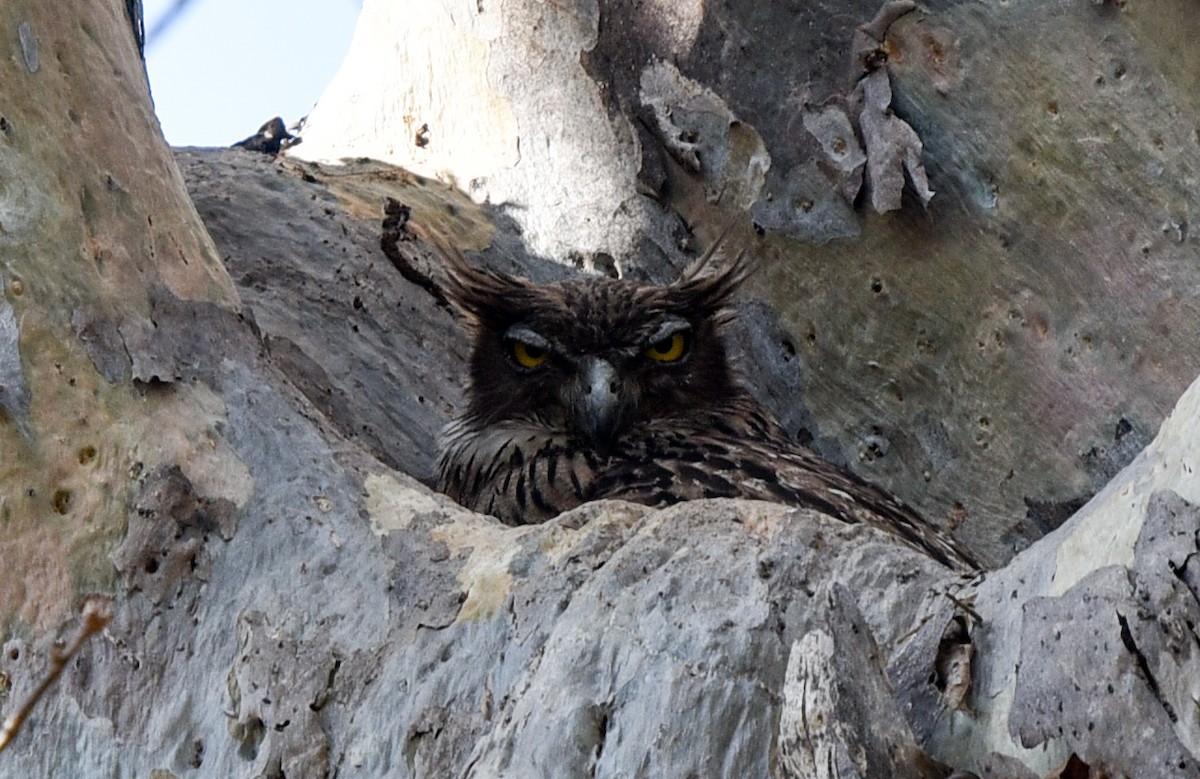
x=61, y=501
x=1074, y=769
x=602, y=715
x=252, y=737
x=1124, y=428
x=151, y=566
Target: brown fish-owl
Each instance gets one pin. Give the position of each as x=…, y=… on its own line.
x=609, y=388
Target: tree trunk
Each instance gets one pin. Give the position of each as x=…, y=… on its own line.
x=232, y=448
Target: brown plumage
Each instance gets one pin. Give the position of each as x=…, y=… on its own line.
x=606, y=388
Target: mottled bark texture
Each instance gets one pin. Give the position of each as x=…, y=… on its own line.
x=995, y=357
x=229, y=434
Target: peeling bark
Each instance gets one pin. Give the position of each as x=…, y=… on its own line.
x=840, y=717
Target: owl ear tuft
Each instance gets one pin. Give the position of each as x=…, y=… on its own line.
x=477, y=295
x=707, y=285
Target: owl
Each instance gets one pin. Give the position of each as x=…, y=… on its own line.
x=596, y=387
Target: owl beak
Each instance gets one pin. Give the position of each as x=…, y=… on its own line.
x=600, y=414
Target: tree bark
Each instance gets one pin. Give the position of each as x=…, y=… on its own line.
x=97, y=230
x=230, y=441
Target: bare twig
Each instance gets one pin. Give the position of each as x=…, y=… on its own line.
x=94, y=617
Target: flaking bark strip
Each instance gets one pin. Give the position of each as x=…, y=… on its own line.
x=1144, y=664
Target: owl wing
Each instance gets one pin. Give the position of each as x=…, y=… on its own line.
x=679, y=465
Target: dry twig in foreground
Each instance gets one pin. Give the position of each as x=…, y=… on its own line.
x=96, y=614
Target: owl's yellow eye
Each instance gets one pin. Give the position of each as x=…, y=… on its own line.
x=669, y=349
x=528, y=355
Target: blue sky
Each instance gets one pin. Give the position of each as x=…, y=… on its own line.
x=226, y=66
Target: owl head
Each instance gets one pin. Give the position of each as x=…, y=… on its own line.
x=594, y=357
